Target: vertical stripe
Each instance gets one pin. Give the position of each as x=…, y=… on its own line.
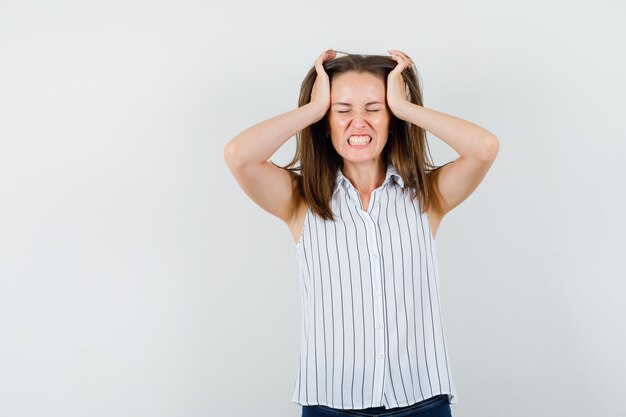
x=343, y=278
x=351, y=355
x=430, y=306
x=324, y=329
x=331, y=331
x=392, y=238
x=343, y=324
x=341, y=265
x=388, y=322
x=443, y=338
x=356, y=244
x=407, y=348
x=315, y=298
x=423, y=261
x=414, y=310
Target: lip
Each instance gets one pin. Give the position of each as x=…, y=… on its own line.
x=359, y=134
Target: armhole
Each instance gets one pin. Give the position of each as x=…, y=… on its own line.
x=424, y=217
x=435, y=196
x=306, y=216
x=427, y=220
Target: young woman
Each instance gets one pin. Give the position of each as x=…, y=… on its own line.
x=363, y=203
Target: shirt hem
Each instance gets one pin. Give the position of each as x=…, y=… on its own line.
x=452, y=399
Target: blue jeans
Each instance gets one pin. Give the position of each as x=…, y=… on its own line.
x=437, y=406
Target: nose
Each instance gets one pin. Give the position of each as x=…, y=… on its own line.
x=359, y=118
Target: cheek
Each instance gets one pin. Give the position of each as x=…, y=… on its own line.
x=338, y=124
x=381, y=122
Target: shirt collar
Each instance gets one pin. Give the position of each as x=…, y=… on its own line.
x=391, y=174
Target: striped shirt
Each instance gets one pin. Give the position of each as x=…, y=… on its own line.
x=372, y=333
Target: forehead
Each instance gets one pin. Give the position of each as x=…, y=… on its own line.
x=357, y=86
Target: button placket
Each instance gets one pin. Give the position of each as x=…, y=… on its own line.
x=374, y=253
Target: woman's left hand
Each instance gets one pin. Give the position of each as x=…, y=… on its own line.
x=396, y=87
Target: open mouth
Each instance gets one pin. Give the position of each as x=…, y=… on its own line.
x=359, y=140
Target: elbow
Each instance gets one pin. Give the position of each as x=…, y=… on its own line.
x=491, y=148
x=231, y=155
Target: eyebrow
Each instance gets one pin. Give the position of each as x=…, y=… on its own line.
x=339, y=103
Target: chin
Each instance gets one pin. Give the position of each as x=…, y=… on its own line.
x=351, y=157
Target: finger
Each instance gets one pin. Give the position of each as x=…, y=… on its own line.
x=397, y=56
x=326, y=55
x=401, y=58
x=400, y=53
x=330, y=54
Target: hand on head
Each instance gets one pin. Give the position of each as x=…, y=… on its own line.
x=401, y=58
x=396, y=86
x=320, y=94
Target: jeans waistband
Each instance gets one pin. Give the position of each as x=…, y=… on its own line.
x=398, y=411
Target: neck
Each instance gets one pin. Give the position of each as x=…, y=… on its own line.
x=365, y=176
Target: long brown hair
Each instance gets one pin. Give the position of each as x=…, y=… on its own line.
x=315, y=164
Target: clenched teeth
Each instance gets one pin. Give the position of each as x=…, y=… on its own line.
x=359, y=139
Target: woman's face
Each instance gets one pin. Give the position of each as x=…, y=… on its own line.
x=358, y=116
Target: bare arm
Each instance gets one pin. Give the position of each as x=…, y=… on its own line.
x=247, y=154
x=476, y=146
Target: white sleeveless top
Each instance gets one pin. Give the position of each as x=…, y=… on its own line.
x=372, y=334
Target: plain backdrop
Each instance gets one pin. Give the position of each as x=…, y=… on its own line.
x=137, y=279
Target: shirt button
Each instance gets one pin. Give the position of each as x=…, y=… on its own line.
x=380, y=356
x=379, y=325
x=378, y=293
x=374, y=256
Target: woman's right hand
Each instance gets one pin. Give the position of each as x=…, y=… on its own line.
x=320, y=94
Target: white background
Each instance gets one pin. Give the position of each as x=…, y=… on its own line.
x=137, y=279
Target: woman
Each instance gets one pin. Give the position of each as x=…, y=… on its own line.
x=363, y=207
